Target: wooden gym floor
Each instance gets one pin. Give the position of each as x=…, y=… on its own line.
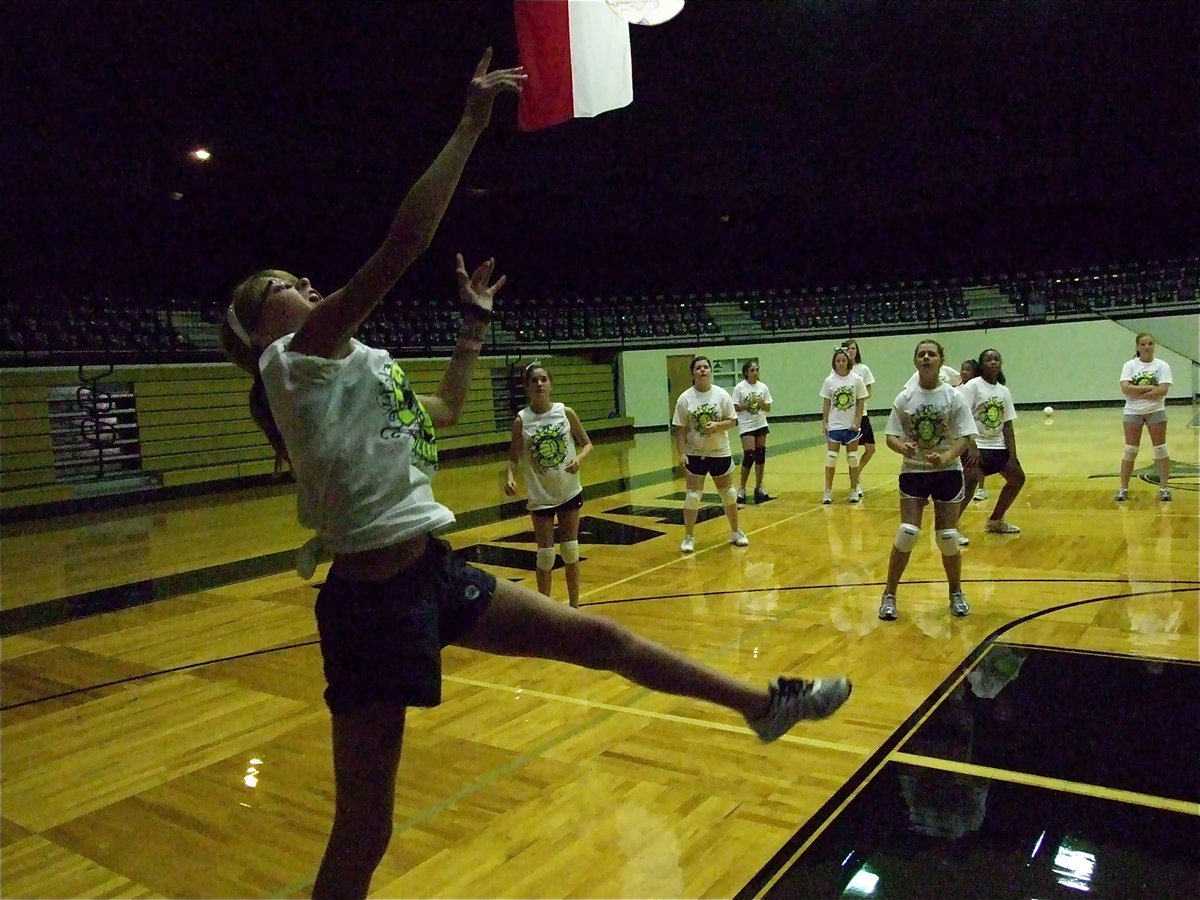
x=162, y=732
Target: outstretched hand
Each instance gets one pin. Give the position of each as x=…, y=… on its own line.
x=474, y=291
x=486, y=85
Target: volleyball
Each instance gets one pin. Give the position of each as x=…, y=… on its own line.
x=1049, y=410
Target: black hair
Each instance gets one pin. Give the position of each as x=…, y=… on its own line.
x=858, y=357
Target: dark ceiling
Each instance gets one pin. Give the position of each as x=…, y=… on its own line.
x=768, y=142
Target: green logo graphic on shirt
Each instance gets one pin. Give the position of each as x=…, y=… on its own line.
x=1144, y=377
x=548, y=447
x=704, y=414
x=754, y=402
x=408, y=417
x=843, y=398
x=991, y=413
x=929, y=427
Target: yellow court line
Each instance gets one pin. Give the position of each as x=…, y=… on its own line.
x=1056, y=784
x=650, y=714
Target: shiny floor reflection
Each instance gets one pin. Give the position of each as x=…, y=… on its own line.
x=1114, y=736
x=921, y=833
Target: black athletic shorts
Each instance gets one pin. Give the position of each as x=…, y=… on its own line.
x=716, y=466
x=575, y=502
x=383, y=640
x=866, y=432
x=943, y=485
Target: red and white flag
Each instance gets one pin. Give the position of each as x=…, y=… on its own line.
x=577, y=56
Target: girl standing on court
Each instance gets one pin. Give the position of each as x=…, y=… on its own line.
x=866, y=439
x=843, y=398
x=704, y=414
x=967, y=370
x=994, y=450
x=752, y=401
x=929, y=426
x=549, y=442
x=1145, y=382
x=363, y=448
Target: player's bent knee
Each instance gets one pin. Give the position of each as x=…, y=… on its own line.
x=691, y=499
x=545, y=559
x=728, y=495
x=831, y=459
x=1130, y=453
x=748, y=459
x=569, y=550
x=906, y=537
x=762, y=455
x=852, y=458
x=947, y=541
x=1160, y=451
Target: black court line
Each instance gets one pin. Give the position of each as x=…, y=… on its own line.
x=984, y=646
x=48, y=613
x=866, y=772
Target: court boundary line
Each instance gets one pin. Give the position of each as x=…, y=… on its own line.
x=1181, y=586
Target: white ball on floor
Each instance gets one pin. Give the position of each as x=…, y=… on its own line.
x=1049, y=410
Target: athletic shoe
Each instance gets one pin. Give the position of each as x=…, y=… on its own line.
x=958, y=604
x=738, y=539
x=999, y=526
x=980, y=493
x=1122, y=494
x=963, y=540
x=794, y=699
x=1164, y=493
x=741, y=495
x=887, y=608
x=855, y=495
x=827, y=498
x=687, y=545
x=761, y=496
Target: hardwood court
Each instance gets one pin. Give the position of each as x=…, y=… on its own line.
x=179, y=746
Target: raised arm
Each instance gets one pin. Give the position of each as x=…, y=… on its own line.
x=336, y=318
x=446, y=404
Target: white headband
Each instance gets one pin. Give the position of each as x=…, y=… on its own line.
x=242, y=333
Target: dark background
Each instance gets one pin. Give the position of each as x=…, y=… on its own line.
x=768, y=144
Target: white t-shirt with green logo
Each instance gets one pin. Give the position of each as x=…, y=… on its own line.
x=1137, y=372
x=843, y=393
x=991, y=406
x=694, y=410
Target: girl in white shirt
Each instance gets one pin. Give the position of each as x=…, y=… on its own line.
x=843, y=397
x=704, y=414
x=752, y=400
x=930, y=427
x=994, y=449
x=549, y=442
x=866, y=440
x=363, y=448
x=1145, y=382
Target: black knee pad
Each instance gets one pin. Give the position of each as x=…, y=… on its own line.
x=748, y=458
x=762, y=454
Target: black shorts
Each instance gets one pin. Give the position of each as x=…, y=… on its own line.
x=992, y=461
x=716, y=466
x=382, y=641
x=757, y=432
x=575, y=502
x=866, y=433
x=942, y=485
